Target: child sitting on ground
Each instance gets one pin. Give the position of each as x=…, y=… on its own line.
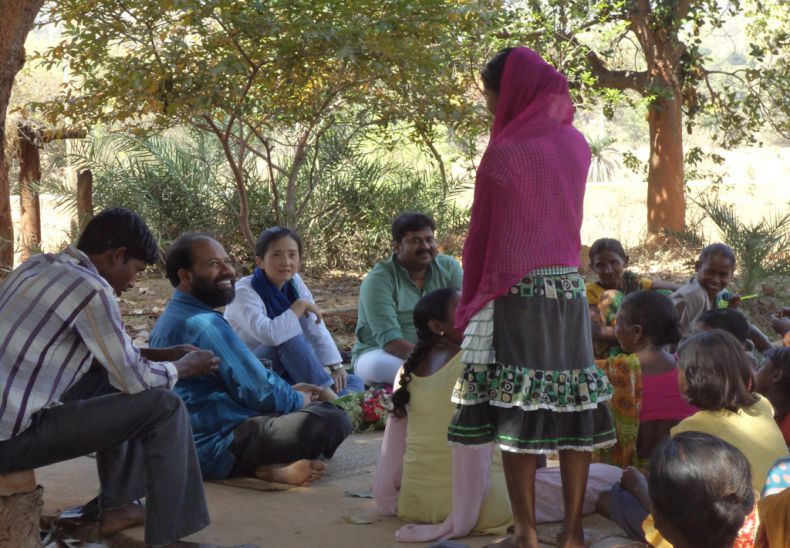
x=707, y=290
x=731, y=321
x=610, y=263
x=773, y=382
x=420, y=477
x=647, y=401
x=700, y=489
x=714, y=377
x=714, y=373
x=418, y=473
x=774, y=507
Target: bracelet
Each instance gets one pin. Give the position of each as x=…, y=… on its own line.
x=336, y=366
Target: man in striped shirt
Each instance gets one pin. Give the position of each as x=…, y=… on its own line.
x=73, y=383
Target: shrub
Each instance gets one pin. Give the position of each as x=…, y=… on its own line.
x=179, y=182
x=762, y=248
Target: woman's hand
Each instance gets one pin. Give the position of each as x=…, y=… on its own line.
x=340, y=377
x=301, y=307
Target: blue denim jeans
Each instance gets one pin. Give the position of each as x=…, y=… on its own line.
x=295, y=361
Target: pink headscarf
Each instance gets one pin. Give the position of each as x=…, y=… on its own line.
x=529, y=193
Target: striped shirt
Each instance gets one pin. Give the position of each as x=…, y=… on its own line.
x=57, y=314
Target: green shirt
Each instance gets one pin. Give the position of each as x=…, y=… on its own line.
x=387, y=299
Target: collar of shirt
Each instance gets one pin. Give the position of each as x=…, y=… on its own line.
x=80, y=258
x=405, y=273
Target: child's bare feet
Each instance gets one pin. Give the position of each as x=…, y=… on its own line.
x=301, y=472
x=116, y=520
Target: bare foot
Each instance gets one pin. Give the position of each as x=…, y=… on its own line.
x=568, y=538
x=116, y=520
x=511, y=541
x=301, y=472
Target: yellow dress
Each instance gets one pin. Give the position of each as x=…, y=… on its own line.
x=752, y=430
x=426, y=492
x=631, y=283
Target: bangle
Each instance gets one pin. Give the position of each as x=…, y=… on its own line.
x=336, y=366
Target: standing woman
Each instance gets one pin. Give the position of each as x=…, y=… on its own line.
x=530, y=383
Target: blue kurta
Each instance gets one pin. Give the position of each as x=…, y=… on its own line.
x=240, y=388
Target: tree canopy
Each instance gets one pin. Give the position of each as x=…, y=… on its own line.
x=269, y=78
x=653, y=48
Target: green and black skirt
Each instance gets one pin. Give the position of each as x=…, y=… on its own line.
x=530, y=383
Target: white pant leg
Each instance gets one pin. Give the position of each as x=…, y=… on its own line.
x=377, y=366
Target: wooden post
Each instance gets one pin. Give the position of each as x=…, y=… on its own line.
x=29, y=179
x=31, y=138
x=84, y=197
x=20, y=510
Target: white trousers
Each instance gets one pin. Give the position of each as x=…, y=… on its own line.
x=377, y=366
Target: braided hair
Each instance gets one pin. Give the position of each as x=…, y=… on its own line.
x=433, y=306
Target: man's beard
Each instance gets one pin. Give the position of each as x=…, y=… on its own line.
x=210, y=294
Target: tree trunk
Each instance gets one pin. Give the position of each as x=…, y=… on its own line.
x=84, y=197
x=666, y=200
x=29, y=178
x=300, y=154
x=16, y=20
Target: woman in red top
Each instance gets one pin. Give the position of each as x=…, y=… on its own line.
x=647, y=401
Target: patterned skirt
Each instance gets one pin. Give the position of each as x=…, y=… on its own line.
x=529, y=382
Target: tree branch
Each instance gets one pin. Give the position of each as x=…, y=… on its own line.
x=232, y=36
x=238, y=177
x=681, y=10
x=273, y=182
x=615, y=79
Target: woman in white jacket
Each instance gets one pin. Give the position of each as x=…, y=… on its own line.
x=275, y=315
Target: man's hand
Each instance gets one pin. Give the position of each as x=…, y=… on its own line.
x=169, y=354
x=399, y=347
x=196, y=363
x=310, y=392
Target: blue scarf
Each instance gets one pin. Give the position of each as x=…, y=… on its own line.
x=276, y=300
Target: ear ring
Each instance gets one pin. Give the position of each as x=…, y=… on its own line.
x=441, y=333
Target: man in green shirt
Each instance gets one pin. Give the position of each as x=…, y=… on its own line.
x=385, y=325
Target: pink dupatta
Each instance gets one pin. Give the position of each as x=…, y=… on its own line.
x=529, y=192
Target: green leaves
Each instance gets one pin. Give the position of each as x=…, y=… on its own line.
x=296, y=60
x=762, y=247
